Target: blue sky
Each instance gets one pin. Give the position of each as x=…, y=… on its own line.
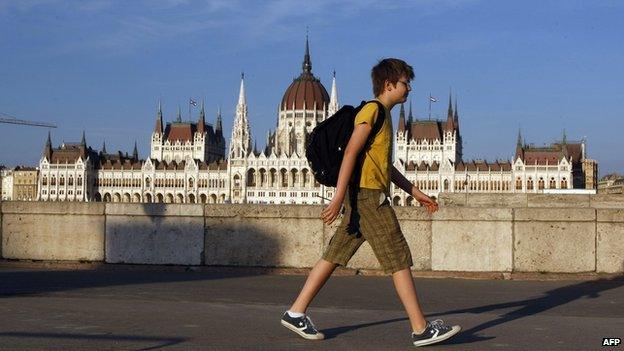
x=101, y=66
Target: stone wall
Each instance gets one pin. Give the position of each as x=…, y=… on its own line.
x=470, y=233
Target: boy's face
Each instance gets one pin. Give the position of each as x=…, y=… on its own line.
x=397, y=93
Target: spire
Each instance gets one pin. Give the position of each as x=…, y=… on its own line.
x=242, y=99
x=179, y=115
x=240, y=144
x=219, y=126
x=83, y=146
x=333, y=101
x=159, y=122
x=201, y=124
x=402, y=119
x=565, y=138
x=135, y=152
x=104, y=147
x=519, y=150
x=47, y=150
x=450, y=108
x=456, y=117
x=307, y=63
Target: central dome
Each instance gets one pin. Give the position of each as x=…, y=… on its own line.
x=306, y=89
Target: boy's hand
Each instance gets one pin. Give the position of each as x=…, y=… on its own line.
x=430, y=203
x=331, y=212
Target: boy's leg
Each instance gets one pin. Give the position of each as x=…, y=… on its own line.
x=404, y=285
x=319, y=274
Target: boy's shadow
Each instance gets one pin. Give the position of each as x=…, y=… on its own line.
x=528, y=307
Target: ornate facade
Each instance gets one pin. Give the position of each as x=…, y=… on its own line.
x=188, y=161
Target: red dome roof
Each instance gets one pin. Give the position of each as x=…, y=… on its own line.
x=306, y=89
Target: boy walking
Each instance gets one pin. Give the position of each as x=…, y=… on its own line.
x=368, y=213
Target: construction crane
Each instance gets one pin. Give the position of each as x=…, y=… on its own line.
x=4, y=118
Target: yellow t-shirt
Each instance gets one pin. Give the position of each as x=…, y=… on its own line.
x=376, y=169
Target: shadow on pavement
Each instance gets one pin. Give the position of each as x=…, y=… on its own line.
x=529, y=307
x=162, y=342
x=333, y=332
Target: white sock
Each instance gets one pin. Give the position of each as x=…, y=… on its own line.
x=295, y=314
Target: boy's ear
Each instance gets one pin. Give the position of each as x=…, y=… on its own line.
x=387, y=85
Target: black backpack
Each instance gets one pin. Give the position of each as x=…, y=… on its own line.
x=327, y=143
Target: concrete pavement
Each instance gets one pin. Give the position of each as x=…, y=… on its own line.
x=152, y=308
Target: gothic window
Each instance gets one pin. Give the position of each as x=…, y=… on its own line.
x=446, y=185
x=540, y=183
x=284, y=177
x=190, y=183
x=273, y=177
x=251, y=177
x=530, y=184
x=564, y=183
x=237, y=182
x=79, y=181
x=44, y=181
x=552, y=184
x=62, y=180
x=70, y=180
x=305, y=177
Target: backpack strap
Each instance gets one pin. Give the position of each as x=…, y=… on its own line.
x=381, y=117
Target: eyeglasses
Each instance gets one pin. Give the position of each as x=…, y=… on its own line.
x=407, y=84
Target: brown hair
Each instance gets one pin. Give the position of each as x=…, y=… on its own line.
x=390, y=69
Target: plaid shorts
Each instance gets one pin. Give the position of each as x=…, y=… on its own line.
x=378, y=225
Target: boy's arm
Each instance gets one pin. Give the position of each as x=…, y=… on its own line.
x=355, y=145
x=399, y=180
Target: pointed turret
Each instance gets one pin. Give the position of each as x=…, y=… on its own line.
x=456, y=116
x=135, y=152
x=450, y=109
x=307, y=63
x=201, y=123
x=47, y=150
x=179, y=115
x=240, y=144
x=450, y=119
x=159, y=120
x=104, y=147
x=83, y=145
x=410, y=120
x=519, y=149
x=219, y=123
x=565, y=138
x=401, y=126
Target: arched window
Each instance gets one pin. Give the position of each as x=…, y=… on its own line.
x=540, y=183
x=552, y=184
x=251, y=177
x=529, y=185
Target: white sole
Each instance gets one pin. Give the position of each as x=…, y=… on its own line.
x=318, y=336
x=456, y=329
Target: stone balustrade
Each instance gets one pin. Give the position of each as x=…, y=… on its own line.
x=470, y=233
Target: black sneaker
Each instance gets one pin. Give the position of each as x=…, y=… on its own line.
x=435, y=331
x=302, y=326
